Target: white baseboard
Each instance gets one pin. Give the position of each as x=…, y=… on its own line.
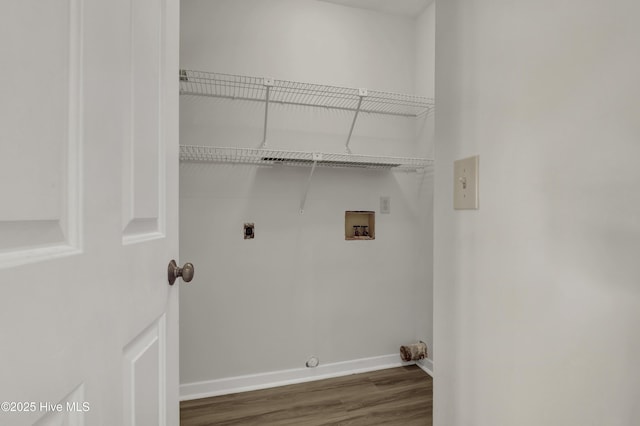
x=427, y=365
x=271, y=379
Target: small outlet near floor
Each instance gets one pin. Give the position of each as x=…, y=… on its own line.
x=249, y=231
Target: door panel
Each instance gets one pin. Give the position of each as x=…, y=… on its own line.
x=143, y=151
x=40, y=118
x=88, y=217
x=67, y=412
x=144, y=362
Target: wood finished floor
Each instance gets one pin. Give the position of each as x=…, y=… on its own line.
x=398, y=396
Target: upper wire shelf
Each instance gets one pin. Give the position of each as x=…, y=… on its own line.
x=270, y=157
x=240, y=87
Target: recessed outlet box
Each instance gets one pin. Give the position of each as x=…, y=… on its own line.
x=465, y=184
x=359, y=225
x=249, y=231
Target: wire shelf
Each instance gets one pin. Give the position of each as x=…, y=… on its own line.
x=270, y=157
x=240, y=87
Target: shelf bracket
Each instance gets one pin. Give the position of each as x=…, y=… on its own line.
x=317, y=156
x=361, y=93
x=267, y=82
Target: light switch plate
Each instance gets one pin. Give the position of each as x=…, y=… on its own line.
x=465, y=184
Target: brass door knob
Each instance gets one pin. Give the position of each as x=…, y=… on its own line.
x=174, y=271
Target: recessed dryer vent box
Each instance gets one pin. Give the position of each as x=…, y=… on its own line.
x=359, y=225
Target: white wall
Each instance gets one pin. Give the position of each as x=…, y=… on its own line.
x=298, y=289
x=425, y=55
x=425, y=134
x=537, y=296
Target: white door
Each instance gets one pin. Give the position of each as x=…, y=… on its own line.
x=88, y=212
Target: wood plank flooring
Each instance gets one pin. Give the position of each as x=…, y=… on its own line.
x=398, y=396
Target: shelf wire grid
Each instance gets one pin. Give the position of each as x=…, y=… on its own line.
x=270, y=157
x=201, y=83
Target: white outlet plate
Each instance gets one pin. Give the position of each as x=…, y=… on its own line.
x=385, y=205
x=465, y=184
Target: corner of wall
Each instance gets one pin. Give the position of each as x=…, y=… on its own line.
x=426, y=365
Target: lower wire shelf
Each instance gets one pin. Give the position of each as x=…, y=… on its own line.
x=270, y=157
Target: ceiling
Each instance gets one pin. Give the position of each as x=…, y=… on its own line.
x=396, y=7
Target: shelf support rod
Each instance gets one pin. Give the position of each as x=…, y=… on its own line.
x=317, y=156
x=361, y=93
x=267, y=82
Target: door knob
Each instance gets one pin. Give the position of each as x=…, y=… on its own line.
x=174, y=271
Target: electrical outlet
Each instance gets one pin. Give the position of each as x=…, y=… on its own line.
x=385, y=205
